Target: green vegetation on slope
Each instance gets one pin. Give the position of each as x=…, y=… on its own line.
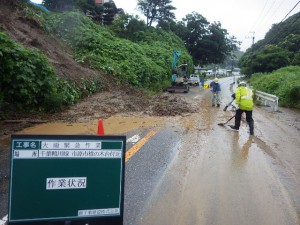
x=28, y=81
x=26, y=78
x=146, y=64
x=280, y=48
x=284, y=82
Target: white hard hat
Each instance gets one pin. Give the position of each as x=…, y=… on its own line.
x=242, y=83
x=216, y=80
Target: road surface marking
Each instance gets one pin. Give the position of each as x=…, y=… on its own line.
x=134, y=138
x=134, y=149
x=3, y=221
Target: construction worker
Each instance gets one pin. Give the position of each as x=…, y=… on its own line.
x=215, y=88
x=202, y=79
x=244, y=100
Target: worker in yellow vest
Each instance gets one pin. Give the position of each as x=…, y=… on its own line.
x=244, y=100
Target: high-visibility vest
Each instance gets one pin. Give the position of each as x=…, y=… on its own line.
x=244, y=98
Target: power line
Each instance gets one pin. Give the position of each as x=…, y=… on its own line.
x=281, y=33
x=264, y=19
x=260, y=14
x=290, y=12
x=267, y=16
x=280, y=4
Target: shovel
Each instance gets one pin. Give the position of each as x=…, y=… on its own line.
x=223, y=124
x=228, y=105
x=233, y=98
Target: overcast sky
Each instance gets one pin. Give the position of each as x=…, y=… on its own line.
x=239, y=17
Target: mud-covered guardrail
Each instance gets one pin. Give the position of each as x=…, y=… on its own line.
x=267, y=99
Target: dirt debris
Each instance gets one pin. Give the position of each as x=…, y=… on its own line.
x=106, y=104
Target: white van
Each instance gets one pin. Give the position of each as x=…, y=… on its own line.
x=194, y=80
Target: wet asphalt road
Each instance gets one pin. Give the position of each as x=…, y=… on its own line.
x=218, y=176
x=193, y=171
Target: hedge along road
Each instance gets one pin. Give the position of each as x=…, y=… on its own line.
x=192, y=171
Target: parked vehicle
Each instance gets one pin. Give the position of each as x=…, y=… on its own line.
x=194, y=80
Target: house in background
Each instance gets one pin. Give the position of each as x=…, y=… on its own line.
x=199, y=69
x=236, y=72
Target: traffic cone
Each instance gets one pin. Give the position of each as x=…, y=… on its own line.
x=100, y=127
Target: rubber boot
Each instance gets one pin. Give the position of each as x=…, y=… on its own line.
x=237, y=123
x=251, y=126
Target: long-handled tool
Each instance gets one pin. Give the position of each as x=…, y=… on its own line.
x=233, y=98
x=228, y=105
x=223, y=124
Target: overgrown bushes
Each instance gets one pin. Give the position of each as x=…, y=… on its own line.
x=284, y=82
x=28, y=81
x=26, y=78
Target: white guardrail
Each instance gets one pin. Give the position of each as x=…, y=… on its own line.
x=267, y=99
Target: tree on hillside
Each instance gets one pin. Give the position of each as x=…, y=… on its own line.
x=217, y=44
x=207, y=43
x=85, y=5
x=197, y=27
x=291, y=43
x=268, y=59
x=156, y=10
x=128, y=26
x=271, y=58
x=58, y=5
x=165, y=12
x=91, y=9
x=179, y=28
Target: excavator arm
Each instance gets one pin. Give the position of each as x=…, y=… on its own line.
x=176, y=56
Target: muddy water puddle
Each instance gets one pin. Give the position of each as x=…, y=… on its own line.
x=112, y=125
x=116, y=125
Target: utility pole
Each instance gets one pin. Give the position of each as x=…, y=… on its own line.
x=252, y=36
